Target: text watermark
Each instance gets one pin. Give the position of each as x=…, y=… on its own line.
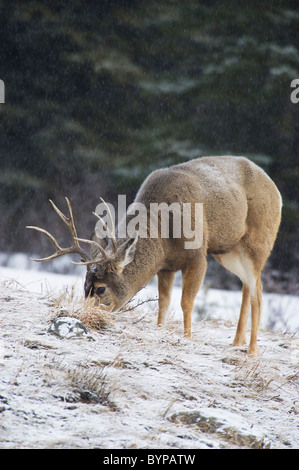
x=295, y=93
x=157, y=220
x=2, y=92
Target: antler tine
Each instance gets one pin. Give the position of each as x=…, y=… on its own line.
x=111, y=235
x=53, y=240
x=69, y=221
x=93, y=261
x=75, y=248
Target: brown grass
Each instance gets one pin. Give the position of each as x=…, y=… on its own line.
x=93, y=316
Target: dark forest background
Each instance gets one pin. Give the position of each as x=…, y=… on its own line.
x=98, y=94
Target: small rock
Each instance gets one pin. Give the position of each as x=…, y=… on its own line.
x=67, y=327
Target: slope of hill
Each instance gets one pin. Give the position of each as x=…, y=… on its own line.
x=132, y=385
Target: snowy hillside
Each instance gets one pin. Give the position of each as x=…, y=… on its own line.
x=280, y=312
x=133, y=385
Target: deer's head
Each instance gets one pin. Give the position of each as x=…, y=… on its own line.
x=105, y=279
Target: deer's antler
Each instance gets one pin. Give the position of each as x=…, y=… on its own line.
x=96, y=260
x=111, y=234
x=75, y=248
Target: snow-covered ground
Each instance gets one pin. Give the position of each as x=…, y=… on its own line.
x=133, y=385
x=280, y=312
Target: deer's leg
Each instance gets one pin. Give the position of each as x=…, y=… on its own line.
x=165, y=282
x=192, y=279
x=240, y=263
x=256, y=304
x=240, y=337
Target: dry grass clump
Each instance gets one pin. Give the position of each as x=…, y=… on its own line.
x=259, y=377
x=92, y=315
x=80, y=384
x=88, y=311
x=89, y=386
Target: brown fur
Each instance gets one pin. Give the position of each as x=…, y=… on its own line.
x=242, y=212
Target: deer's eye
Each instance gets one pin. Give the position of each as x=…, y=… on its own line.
x=100, y=290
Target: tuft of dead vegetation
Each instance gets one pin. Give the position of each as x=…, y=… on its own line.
x=81, y=384
x=92, y=315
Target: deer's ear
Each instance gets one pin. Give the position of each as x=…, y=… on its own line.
x=125, y=253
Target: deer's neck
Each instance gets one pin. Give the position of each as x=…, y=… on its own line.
x=148, y=260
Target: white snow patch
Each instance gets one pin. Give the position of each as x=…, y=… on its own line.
x=135, y=385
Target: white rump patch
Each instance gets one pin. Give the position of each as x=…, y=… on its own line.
x=241, y=265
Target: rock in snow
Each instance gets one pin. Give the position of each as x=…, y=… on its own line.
x=67, y=327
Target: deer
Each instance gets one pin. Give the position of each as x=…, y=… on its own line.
x=241, y=218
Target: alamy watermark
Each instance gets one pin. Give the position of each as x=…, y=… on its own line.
x=2, y=92
x=295, y=93
x=157, y=220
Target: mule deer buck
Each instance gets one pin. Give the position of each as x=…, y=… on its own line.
x=241, y=217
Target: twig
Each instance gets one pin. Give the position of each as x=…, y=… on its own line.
x=141, y=302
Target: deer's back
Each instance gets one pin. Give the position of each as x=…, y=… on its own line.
x=236, y=195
